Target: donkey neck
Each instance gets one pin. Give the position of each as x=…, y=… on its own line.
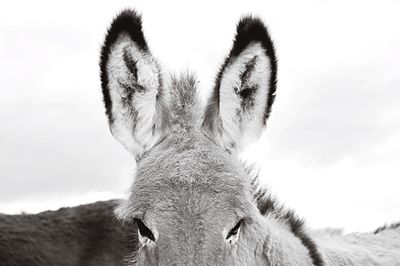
x=282, y=244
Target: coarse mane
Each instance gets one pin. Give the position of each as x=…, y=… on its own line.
x=387, y=227
x=268, y=205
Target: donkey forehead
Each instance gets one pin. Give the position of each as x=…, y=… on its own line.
x=201, y=175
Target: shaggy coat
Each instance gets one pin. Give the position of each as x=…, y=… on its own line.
x=192, y=199
x=84, y=235
x=90, y=235
x=192, y=202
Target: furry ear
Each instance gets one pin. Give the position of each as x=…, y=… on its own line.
x=132, y=86
x=244, y=89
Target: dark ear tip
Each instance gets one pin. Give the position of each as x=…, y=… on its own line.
x=127, y=17
x=127, y=21
x=251, y=29
x=249, y=24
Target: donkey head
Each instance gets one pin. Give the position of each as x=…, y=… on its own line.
x=192, y=200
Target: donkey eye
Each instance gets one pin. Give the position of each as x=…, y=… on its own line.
x=144, y=230
x=234, y=230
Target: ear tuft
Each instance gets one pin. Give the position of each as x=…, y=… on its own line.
x=130, y=22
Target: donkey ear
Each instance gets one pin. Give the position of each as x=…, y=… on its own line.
x=244, y=89
x=132, y=86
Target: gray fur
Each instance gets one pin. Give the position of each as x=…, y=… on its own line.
x=191, y=190
x=188, y=190
x=86, y=235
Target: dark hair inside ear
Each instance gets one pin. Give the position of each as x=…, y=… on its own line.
x=129, y=22
x=252, y=30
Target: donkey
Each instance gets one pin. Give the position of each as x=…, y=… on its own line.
x=192, y=199
x=192, y=202
x=84, y=235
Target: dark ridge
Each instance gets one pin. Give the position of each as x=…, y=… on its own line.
x=265, y=202
x=127, y=21
x=297, y=227
x=268, y=205
x=387, y=227
x=249, y=30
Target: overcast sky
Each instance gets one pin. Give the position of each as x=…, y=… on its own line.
x=332, y=147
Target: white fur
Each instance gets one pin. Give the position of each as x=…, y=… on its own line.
x=136, y=138
x=251, y=124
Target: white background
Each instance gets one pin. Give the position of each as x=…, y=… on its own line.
x=332, y=147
